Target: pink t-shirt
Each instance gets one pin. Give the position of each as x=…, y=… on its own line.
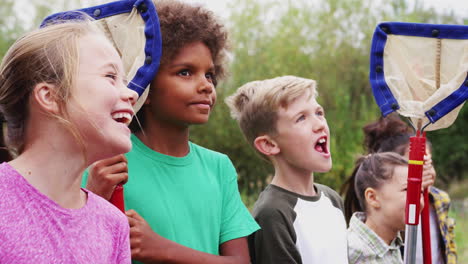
x=35, y=229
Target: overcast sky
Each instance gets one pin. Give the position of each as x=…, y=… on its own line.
x=460, y=7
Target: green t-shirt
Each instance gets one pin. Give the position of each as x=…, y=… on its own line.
x=193, y=200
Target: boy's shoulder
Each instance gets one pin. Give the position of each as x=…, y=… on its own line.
x=273, y=199
x=326, y=189
x=335, y=198
x=208, y=154
x=217, y=163
x=301, y=222
x=275, y=207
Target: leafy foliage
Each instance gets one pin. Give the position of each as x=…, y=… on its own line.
x=9, y=26
x=328, y=41
x=325, y=40
x=15, y=18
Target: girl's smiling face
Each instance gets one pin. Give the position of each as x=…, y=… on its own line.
x=101, y=104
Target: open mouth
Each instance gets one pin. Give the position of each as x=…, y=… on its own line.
x=321, y=145
x=122, y=117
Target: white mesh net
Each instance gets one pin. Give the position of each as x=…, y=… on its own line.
x=126, y=32
x=421, y=72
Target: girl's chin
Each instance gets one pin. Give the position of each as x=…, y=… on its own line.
x=115, y=150
x=125, y=147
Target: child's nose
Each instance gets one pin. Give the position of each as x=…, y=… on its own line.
x=319, y=124
x=205, y=85
x=129, y=95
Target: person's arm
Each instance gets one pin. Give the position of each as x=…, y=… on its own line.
x=149, y=247
x=104, y=175
x=122, y=251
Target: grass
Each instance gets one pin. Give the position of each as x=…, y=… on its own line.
x=458, y=192
x=460, y=213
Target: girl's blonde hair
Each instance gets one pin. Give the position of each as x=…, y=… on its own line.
x=255, y=104
x=48, y=55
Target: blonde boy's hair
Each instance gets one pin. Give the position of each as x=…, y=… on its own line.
x=255, y=104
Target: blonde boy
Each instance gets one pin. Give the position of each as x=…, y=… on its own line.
x=301, y=221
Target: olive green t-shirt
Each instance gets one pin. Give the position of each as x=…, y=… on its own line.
x=299, y=229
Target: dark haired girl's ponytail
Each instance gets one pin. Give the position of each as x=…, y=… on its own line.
x=351, y=201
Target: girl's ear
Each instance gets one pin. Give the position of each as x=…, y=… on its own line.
x=371, y=198
x=266, y=145
x=44, y=95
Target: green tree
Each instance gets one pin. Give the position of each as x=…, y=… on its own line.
x=9, y=25
x=328, y=41
x=450, y=149
x=14, y=22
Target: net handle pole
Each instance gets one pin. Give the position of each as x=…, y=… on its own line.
x=413, y=196
x=117, y=197
x=426, y=229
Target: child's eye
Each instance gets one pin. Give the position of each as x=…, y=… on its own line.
x=184, y=72
x=300, y=118
x=210, y=76
x=112, y=76
x=320, y=113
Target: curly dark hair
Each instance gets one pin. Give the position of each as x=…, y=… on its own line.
x=182, y=23
x=387, y=134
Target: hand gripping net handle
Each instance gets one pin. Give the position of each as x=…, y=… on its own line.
x=415, y=170
x=117, y=198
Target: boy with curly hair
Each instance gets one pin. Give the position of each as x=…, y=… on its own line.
x=187, y=195
x=301, y=221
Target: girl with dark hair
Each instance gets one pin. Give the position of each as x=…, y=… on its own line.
x=184, y=201
x=393, y=134
x=378, y=194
